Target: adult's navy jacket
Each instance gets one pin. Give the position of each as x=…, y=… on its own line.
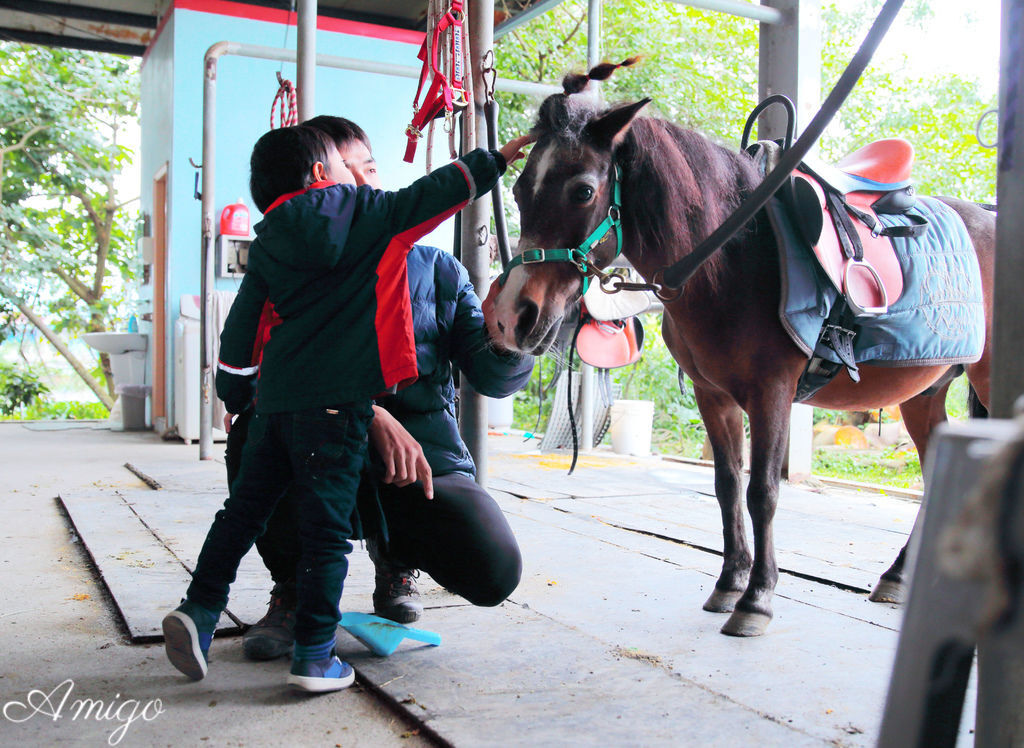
x=331, y=259
x=449, y=329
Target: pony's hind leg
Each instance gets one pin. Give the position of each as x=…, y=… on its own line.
x=723, y=420
x=921, y=414
x=769, y=426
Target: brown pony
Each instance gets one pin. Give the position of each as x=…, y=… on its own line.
x=724, y=330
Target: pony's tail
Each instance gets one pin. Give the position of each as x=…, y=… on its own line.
x=574, y=83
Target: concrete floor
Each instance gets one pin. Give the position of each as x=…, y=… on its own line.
x=604, y=642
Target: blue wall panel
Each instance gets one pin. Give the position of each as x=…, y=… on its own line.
x=172, y=124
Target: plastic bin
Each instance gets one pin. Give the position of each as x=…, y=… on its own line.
x=133, y=405
x=631, y=427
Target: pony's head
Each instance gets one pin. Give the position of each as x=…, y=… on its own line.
x=564, y=193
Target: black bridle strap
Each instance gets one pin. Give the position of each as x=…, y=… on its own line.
x=676, y=275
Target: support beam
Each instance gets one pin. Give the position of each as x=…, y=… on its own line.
x=1008, y=328
x=475, y=237
x=539, y=8
x=586, y=427
x=790, y=63
x=763, y=13
x=306, y=74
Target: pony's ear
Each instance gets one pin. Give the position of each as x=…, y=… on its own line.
x=608, y=130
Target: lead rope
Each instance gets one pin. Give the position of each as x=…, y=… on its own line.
x=568, y=395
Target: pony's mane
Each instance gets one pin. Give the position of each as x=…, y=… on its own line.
x=678, y=186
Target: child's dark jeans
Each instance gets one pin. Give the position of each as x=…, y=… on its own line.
x=319, y=453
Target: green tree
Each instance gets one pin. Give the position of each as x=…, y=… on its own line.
x=66, y=243
x=936, y=113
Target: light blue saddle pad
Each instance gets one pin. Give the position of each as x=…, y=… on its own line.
x=939, y=319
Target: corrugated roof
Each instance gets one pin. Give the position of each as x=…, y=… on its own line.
x=127, y=26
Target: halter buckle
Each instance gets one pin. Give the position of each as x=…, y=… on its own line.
x=537, y=256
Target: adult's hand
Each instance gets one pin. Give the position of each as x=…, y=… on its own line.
x=512, y=150
x=490, y=316
x=228, y=418
x=403, y=458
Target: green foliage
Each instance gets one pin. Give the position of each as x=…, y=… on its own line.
x=937, y=114
x=66, y=242
x=894, y=468
x=70, y=410
x=18, y=388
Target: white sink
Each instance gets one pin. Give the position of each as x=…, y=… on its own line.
x=116, y=342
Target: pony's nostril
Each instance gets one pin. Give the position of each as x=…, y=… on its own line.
x=527, y=319
x=501, y=327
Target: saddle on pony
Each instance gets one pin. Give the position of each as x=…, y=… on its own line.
x=836, y=209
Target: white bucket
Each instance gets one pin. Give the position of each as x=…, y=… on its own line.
x=631, y=427
x=500, y=412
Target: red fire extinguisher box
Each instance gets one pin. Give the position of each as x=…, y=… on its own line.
x=233, y=240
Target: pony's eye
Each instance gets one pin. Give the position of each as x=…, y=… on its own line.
x=582, y=194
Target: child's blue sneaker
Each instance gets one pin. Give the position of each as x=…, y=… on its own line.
x=321, y=676
x=188, y=630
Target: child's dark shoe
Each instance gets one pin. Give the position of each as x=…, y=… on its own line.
x=188, y=630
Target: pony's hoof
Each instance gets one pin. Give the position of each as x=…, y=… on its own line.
x=722, y=601
x=742, y=623
x=887, y=591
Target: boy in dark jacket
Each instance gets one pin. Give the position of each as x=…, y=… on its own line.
x=331, y=259
x=420, y=492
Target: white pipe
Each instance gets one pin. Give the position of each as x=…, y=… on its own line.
x=593, y=32
x=306, y=74
x=736, y=8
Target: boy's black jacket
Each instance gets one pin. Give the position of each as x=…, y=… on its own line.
x=332, y=262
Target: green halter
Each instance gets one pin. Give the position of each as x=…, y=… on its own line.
x=579, y=256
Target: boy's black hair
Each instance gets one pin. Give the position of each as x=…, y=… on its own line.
x=282, y=162
x=342, y=131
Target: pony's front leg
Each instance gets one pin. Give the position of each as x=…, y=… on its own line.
x=723, y=420
x=769, y=427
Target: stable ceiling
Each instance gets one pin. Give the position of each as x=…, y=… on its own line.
x=127, y=26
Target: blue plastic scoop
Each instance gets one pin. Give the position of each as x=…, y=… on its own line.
x=382, y=636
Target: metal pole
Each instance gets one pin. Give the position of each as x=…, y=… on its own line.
x=587, y=371
x=476, y=219
x=208, y=255
x=760, y=13
x=1008, y=328
x=790, y=63
x=306, y=76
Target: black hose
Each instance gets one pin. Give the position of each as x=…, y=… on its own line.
x=491, y=115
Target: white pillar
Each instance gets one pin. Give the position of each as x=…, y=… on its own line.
x=306, y=74
x=790, y=64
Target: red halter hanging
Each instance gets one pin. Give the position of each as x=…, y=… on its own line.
x=442, y=93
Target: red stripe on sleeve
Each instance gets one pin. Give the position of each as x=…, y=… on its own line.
x=393, y=321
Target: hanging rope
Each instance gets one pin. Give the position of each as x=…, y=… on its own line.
x=289, y=104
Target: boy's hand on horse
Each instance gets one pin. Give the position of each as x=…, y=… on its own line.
x=512, y=150
x=403, y=458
